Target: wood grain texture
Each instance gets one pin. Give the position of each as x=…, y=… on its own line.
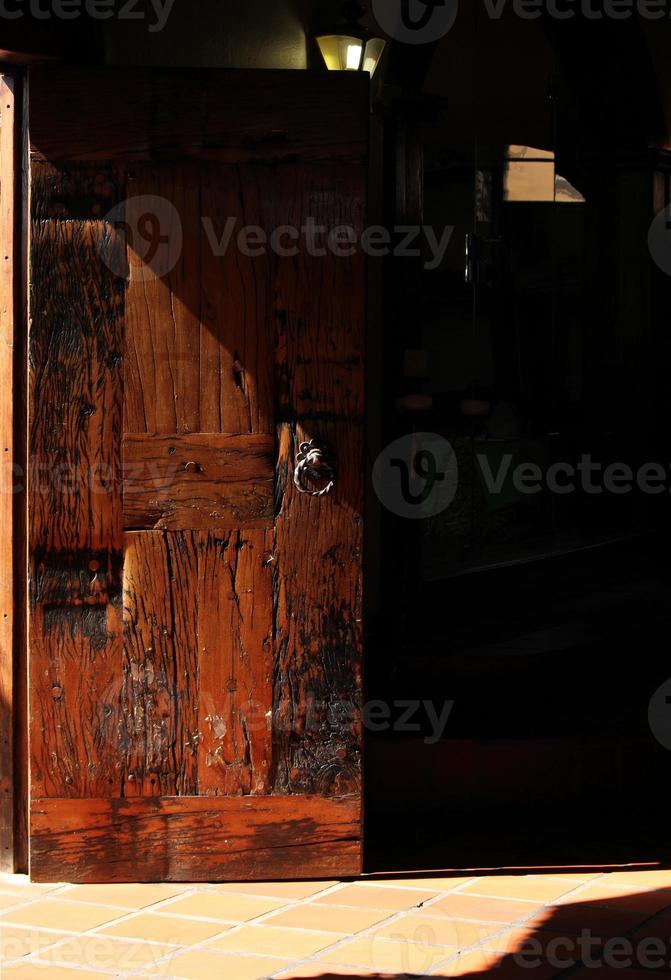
x=162, y=228
x=197, y=481
x=7, y=475
x=194, y=839
x=318, y=605
x=160, y=696
x=197, y=663
x=75, y=382
x=229, y=115
x=198, y=333
x=235, y=601
x=236, y=340
x=74, y=488
x=20, y=399
x=195, y=654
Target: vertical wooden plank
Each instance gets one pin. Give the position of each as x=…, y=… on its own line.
x=235, y=619
x=236, y=334
x=74, y=701
x=7, y=476
x=21, y=749
x=162, y=377
x=160, y=664
x=74, y=485
x=320, y=310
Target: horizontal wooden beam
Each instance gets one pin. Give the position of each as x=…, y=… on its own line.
x=251, y=838
x=200, y=481
x=219, y=114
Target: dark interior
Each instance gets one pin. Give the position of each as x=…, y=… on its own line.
x=543, y=617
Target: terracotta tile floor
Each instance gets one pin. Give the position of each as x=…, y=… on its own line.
x=538, y=926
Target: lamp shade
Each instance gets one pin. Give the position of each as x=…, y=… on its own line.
x=347, y=52
x=349, y=46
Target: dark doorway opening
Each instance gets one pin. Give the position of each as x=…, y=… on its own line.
x=535, y=348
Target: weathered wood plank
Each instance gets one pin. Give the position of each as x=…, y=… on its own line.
x=160, y=667
x=74, y=487
x=237, y=329
x=235, y=629
x=320, y=320
x=74, y=700
x=20, y=398
x=75, y=390
x=161, y=225
x=194, y=839
x=7, y=461
x=105, y=114
x=197, y=481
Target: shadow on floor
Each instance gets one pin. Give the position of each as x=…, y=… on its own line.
x=626, y=936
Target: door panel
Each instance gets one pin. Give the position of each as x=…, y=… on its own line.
x=191, y=481
x=318, y=597
x=195, y=620
x=196, y=838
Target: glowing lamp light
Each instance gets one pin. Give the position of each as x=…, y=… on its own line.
x=350, y=47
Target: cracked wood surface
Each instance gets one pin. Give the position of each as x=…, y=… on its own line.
x=195, y=839
x=189, y=482
x=320, y=315
x=193, y=637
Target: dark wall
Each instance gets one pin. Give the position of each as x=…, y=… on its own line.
x=227, y=34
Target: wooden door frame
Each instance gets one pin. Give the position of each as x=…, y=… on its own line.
x=13, y=452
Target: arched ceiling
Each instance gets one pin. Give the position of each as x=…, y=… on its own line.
x=611, y=80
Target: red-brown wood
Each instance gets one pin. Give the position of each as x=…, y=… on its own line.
x=160, y=697
x=193, y=639
x=7, y=475
x=162, y=312
x=75, y=532
x=230, y=116
x=235, y=600
x=320, y=387
x=191, y=839
x=236, y=337
x=183, y=483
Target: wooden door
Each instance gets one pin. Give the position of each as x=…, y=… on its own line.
x=195, y=621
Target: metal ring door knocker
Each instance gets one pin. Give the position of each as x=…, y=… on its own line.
x=314, y=473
